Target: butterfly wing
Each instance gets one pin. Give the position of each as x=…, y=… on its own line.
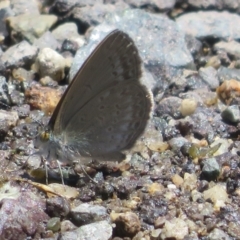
x=105, y=108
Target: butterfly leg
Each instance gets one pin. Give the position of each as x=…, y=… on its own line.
x=60, y=170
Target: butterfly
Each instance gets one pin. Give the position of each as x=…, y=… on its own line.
x=104, y=109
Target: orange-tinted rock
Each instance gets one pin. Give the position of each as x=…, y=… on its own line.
x=229, y=92
x=43, y=98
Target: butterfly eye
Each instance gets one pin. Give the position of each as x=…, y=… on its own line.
x=45, y=136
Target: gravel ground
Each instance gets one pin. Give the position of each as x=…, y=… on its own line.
x=181, y=179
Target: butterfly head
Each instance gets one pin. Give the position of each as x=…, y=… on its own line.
x=43, y=138
x=44, y=135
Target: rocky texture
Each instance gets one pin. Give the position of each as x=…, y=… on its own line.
x=181, y=179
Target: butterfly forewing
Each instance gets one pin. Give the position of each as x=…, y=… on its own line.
x=105, y=108
x=114, y=60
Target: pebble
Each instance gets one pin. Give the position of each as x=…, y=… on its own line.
x=214, y=62
x=216, y=193
x=225, y=73
x=127, y=224
x=67, y=225
x=209, y=75
x=229, y=91
x=231, y=114
x=233, y=229
x=87, y=213
x=30, y=26
x=177, y=180
x=95, y=231
x=211, y=169
x=19, y=55
x=231, y=47
x=188, y=107
x=25, y=207
x=223, y=148
x=176, y=143
x=190, y=182
x=53, y=224
x=58, y=206
x=175, y=228
x=47, y=40
x=155, y=188
x=8, y=120
x=68, y=31
x=171, y=106
x=196, y=195
x=50, y=63
x=218, y=234
x=43, y=98
x=210, y=24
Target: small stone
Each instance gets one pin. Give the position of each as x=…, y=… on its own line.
x=127, y=224
x=170, y=105
x=19, y=55
x=50, y=63
x=30, y=26
x=176, y=228
x=88, y=213
x=159, y=222
x=226, y=73
x=158, y=146
x=231, y=114
x=188, y=107
x=209, y=75
x=67, y=225
x=196, y=195
x=205, y=24
x=34, y=162
x=190, y=182
x=214, y=62
x=155, y=234
x=170, y=195
x=229, y=91
x=22, y=74
x=8, y=120
x=234, y=229
x=132, y=203
x=177, y=180
x=23, y=110
x=53, y=224
x=218, y=234
x=68, y=31
x=155, y=188
x=47, y=40
x=43, y=98
x=95, y=231
x=58, y=206
x=27, y=212
x=48, y=82
x=211, y=169
x=232, y=47
x=176, y=143
x=223, y=148
x=216, y=193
